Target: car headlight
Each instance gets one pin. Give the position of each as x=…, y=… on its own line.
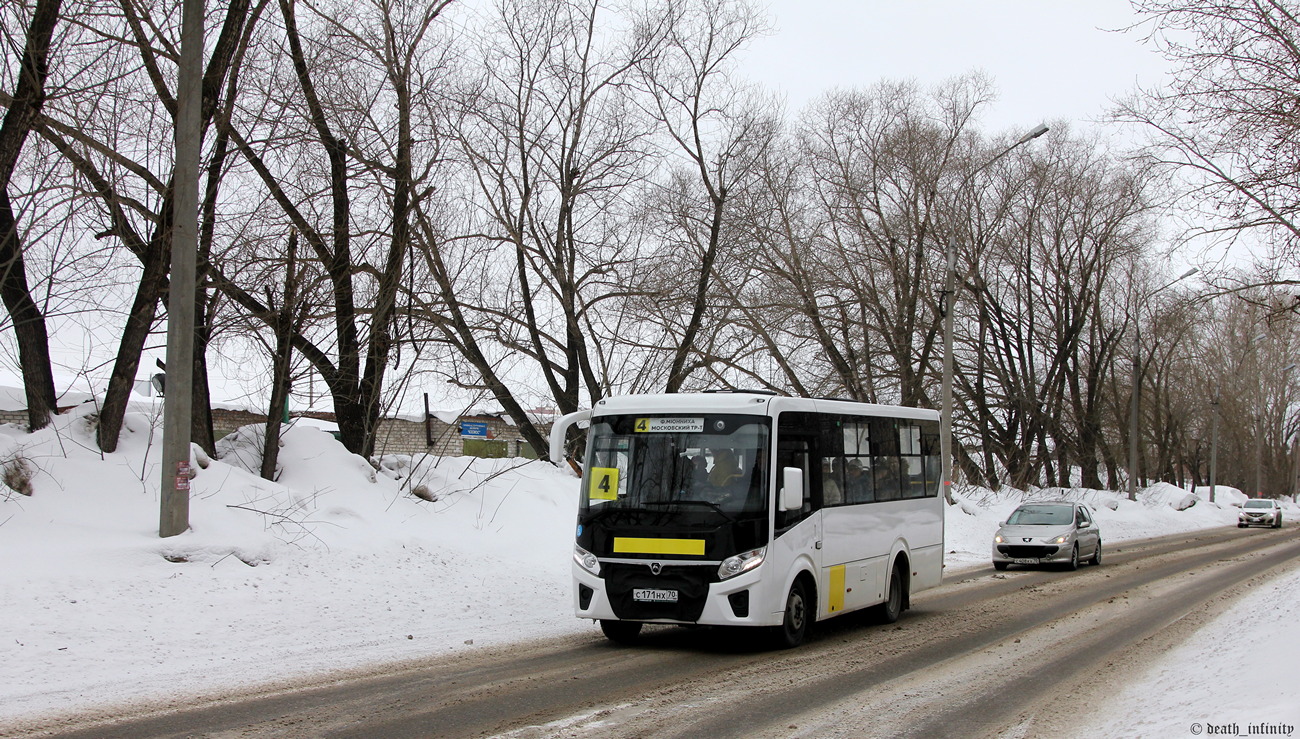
x=1061, y=539
x=743, y=562
x=586, y=560
x=997, y=539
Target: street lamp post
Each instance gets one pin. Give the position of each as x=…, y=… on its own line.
x=1137, y=384
x=949, y=299
x=1214, y=443
x=1294, y=467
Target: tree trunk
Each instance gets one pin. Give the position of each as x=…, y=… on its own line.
x=29, y=322
x=284, y=330
x=139, y=323
x=677, y=374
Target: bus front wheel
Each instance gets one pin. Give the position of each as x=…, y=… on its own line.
x=620, y=632
x=794, y=626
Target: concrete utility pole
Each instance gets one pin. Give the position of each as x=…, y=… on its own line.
x=1214, y=444
x=174, y=517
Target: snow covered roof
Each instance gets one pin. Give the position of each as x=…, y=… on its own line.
x=14, y=399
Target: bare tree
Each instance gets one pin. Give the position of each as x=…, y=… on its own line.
x=107, y=135
x=24, y=105
x=863, y=283
x=721, y=128
x=354, y=85
x=555, y=143
x=1226, y=124
x=1047, y=234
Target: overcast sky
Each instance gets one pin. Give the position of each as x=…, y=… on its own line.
x=1050, y=59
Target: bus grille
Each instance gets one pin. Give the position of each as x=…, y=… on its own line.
x=691, y=584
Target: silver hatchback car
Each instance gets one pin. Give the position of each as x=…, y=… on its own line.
x=1048, y=532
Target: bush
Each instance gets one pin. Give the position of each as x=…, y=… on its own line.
x=18, y=475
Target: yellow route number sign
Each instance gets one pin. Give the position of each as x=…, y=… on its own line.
x=604, y=483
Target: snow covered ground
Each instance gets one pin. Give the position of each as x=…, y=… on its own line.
x=337, y=565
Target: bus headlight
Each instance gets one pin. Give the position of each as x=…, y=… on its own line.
x=743, y=562
x=586, y=560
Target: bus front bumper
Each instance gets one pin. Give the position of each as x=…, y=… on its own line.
x=732, y=602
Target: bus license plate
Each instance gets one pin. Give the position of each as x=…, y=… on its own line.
x=654, y=595
x=1027, y=561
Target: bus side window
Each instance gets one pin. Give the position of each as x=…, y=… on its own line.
x=913, y=468
x=830, y=458
x=933, y=464
x=832, y=490
x=887, y=477
x=885, y=468
x=856, y=461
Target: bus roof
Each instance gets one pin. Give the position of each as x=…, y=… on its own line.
x=757, y=404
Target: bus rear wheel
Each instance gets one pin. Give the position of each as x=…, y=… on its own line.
x=794, y=626
x=889, y=611
x=620, y=632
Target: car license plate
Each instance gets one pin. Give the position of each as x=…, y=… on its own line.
x=1027, y=561
x=654, y=595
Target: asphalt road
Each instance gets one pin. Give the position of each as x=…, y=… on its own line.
x=986, y=654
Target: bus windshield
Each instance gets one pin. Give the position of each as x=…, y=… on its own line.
x=716, y=464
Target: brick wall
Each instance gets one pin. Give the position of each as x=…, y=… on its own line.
x=400, y=436
x=226, y=421
x=396, y=435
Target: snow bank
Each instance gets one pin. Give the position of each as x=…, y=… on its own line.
x=1181, y=696
x=335, y=565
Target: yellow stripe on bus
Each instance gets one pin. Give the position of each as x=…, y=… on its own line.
x=836, y=589
x=626, y=545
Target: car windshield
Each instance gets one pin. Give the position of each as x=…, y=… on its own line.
x=1259, y=504
x=705, y=463
x=1042, y=515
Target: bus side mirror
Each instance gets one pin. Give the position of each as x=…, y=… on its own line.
x=558, y=431
x=791, y=489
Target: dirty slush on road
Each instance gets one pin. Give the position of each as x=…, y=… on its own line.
x=985, y=654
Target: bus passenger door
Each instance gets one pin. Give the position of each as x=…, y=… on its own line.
x=797, y=534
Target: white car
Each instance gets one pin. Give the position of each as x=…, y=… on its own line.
x=1050, y=532
x=1260, y=512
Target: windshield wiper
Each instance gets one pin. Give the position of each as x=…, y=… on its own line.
x=708, y=503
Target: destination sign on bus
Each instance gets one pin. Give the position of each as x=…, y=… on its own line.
x=670, y=425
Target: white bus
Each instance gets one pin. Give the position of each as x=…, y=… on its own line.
x=747, y=509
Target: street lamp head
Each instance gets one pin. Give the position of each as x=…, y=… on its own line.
x=1173, y=282
x=1039, y=130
